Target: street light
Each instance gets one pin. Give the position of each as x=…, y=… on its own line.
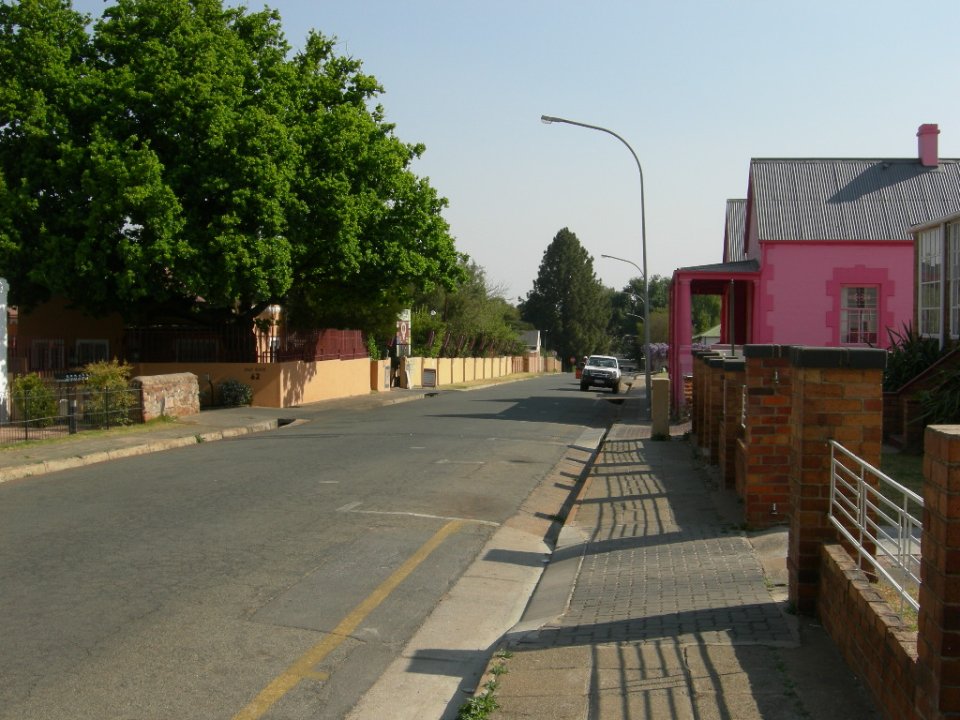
x=549, y=119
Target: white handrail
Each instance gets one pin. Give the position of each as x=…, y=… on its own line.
x=884, y=533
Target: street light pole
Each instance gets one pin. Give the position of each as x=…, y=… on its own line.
x=548, y=119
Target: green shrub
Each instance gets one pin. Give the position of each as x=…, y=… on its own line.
x=108, y=399
x=909, y=355
x=234, y=393
x=941, y=406
x=33, y=400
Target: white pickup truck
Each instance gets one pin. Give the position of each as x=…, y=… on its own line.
x=602, y=371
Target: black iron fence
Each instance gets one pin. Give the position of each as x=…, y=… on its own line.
x=63, y=408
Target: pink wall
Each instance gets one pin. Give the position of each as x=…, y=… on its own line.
x=798, y=298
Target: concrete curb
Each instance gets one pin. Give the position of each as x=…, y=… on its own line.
x=543, y=603
x=481, y=609
x=43, y=467
x=147, y=446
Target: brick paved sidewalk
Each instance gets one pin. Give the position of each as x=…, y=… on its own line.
x=670, y=613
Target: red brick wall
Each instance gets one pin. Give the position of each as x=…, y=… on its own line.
x=714, y=398
x=731, y=429
x=938, y=646
x=699, y=425
x=764, y=472
x=836, y=396
x=870, y=636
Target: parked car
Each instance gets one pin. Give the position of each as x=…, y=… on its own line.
x=601, y=371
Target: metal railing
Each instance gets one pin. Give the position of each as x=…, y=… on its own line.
x=65, y=410
x=884, y=532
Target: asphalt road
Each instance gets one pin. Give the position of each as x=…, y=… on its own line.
x=272, y=576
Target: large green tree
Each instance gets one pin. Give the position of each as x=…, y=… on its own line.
x=568, y=302
x=473, y=319
x=177, y=160
x=626, y=324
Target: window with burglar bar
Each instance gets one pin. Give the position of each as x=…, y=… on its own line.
x=930, y=282
x=953, y=254
x=858, y=316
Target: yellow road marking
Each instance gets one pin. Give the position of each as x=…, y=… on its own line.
x=303, y=666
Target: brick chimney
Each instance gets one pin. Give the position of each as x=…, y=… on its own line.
x=927, y=144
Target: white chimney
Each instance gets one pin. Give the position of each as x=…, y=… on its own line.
x=927, y=144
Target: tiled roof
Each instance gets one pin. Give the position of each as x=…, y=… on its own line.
x=835, y=199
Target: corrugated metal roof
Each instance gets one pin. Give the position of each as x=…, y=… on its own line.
x=734, y=234
x=837, y=199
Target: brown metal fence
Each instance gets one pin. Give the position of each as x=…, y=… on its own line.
x=50, y=357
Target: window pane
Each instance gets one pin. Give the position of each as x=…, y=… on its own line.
x=858, y=315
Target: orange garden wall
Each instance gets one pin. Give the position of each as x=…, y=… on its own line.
x=278, y=384
x=293, y=383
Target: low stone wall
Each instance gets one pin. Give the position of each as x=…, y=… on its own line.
x=868, y=633
x=171, y=395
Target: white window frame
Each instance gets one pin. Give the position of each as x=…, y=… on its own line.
x=863, y=321
x=953, y=277
x=930, y=282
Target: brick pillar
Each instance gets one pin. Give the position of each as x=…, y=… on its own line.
x=699, y=414
x=763, y=474
x=695, y=412
x=714, y=408
x=731, y=430
x=837, y=395
x=938, y=639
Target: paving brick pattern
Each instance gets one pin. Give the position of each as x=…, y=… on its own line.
x=661, y=563
x=669, y=615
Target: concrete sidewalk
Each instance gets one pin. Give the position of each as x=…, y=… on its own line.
x=656, y=604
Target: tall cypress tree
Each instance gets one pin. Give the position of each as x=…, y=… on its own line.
x=568, y=302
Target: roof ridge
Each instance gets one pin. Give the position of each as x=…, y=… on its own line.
x=912, y=161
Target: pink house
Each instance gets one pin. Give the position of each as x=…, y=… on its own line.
x=820, y=253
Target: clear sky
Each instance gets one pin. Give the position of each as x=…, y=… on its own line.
x=696, y=87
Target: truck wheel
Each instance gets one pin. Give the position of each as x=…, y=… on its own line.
x=583, y=386
x=616, y=388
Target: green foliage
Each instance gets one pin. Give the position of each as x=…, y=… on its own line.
x=704, y=312
x=908, y=356
x=941, y=405
x=472, y=319
x=234, y=393
x=107, y=375
x=428, y=330
x=659, y=292
x=568, y=302
x=480, y=707
x=108, y=400
x=180, y=149
x=33, y=401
